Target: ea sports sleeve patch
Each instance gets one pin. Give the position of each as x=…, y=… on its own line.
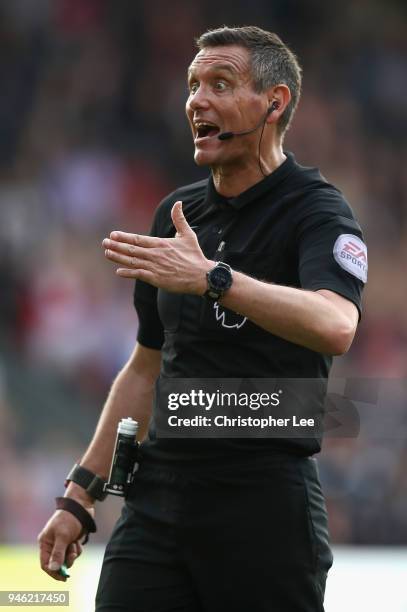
x=350, y=253
x=332, y=255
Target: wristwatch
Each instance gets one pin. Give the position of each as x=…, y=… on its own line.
x=93, y=484
x=219, y=280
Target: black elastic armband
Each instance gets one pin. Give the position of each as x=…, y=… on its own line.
x=92, y=483
x=83, y=516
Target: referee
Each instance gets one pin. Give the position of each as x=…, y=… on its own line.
x=255, y=272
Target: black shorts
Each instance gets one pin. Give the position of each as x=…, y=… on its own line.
x=247, y=538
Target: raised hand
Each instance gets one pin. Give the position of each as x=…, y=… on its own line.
x=175, y=264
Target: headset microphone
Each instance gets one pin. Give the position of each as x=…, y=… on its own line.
x=228, y=135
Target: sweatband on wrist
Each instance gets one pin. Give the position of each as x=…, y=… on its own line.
x=83, y=516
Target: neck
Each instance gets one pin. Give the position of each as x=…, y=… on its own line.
x=235, y=178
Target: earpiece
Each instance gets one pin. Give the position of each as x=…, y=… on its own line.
x=274, y=106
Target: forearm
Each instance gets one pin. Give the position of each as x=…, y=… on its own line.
x=303, y=317
x=131, y=395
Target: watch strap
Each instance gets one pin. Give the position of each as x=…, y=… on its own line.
x=92, y=483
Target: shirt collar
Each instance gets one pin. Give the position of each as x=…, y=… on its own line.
x=255, y=191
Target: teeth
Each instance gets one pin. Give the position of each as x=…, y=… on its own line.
x=203, y=128
x=200, y=124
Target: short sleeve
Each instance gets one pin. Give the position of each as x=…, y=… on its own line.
x=333, y=255
x=150, y=330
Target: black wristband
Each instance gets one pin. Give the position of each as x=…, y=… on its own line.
x=83, y=516
x=92, y=483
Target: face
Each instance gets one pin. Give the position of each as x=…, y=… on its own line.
x=222, y=99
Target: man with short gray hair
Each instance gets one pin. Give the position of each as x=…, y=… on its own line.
x=255, y=272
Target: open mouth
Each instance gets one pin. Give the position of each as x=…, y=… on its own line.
x=206, y=130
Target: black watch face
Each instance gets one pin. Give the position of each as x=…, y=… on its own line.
x=220, y=278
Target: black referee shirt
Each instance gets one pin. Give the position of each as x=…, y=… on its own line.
x=293, y=229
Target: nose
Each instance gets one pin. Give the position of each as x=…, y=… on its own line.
x=198, y=100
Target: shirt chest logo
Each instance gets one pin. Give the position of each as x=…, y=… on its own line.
x=227, y=318
x=351, y=254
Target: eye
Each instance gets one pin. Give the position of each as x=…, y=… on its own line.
x=220, y=85
x=193, y=88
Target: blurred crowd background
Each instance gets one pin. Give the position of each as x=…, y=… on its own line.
x=93, y=135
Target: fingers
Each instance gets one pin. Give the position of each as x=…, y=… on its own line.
x=49, y=563
x=144, y=275
x=133, y=259
x=132, y=250
x=127, y=254
x=72, y=553
x=136, y=239
x=45, y=553
x=58, y=555
x=125, y=260
x=59, y=543
x=128, y=249
x=52, y=559
x=178, y=218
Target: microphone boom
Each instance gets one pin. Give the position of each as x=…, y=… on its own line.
x=229, y=135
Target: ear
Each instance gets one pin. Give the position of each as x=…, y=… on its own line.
x=280, y=96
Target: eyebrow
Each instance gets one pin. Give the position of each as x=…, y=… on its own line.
x=215, y=67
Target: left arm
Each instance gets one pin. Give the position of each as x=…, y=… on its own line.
x=322, y=320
